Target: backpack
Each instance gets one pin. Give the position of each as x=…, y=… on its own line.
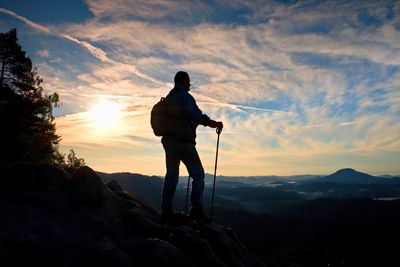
x=160, y=116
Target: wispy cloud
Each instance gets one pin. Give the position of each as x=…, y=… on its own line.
x=32, y=24
x=43, y=53
x=305, y=85
x=142, y=9
x=93, y=50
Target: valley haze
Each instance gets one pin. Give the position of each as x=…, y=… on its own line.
x=267, y=194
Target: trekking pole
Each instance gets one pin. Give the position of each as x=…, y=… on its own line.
x=218, y=130
x=187, y=194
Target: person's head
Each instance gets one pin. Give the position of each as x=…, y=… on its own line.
x=182, y=77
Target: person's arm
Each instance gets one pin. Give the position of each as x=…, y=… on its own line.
x=216, y=124
x=197, y=116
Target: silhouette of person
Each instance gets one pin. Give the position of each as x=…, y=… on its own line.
x=180, y=145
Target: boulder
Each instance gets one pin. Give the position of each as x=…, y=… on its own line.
x=192, y=244
x=88, y=187
x=32, y=178
x=114, y=186
x=97, y=226
x=157, y=252
x=227, y=246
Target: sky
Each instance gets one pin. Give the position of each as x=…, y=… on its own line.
x=302, y=87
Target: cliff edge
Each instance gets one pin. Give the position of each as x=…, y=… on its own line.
x=51, y=218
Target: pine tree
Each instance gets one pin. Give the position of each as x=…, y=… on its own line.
x=28, y=132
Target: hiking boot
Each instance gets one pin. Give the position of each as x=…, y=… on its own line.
x=199, y=216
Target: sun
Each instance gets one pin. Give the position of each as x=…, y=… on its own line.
x=105, y=114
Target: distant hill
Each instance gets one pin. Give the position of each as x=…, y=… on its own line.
x=264, y=193
x=350, y=176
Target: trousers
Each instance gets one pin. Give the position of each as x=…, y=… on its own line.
x=174, y=154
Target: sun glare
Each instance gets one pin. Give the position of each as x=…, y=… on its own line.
x=105, y=114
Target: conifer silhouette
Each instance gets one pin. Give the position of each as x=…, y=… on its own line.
x=28, y=132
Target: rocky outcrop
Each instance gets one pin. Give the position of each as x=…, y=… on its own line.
x=51, y=218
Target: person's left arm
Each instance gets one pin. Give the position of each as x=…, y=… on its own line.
x=195, y=114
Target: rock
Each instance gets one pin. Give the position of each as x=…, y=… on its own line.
x=142, y=221
x=105, y=252
x=114, y=186
x=97, y=226
x=227, y=246
x=87, y=179
x=32, y=178
x=157, y=252
x=88, y=186
x=193, y=245
x=133, y=200
x=26, y=184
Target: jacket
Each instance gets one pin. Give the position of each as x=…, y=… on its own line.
x=186, y=116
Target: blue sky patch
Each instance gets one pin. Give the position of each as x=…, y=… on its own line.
x=50, y=11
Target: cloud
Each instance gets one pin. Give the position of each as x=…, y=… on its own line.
x=296, y=86
x=142, y=9
x=249, y=76
x=34, y=25
x=265, y=55
x=95, y=51
x=43, y=53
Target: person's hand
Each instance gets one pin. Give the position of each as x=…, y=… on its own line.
x=216, y=124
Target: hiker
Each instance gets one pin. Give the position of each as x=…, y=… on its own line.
x=180, y=145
